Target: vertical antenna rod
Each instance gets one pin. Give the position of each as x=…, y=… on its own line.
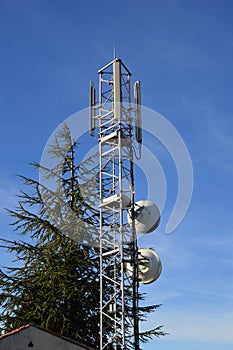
x=114, y=51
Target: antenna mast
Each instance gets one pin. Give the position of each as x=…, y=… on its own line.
x=122, y=265
x=118, y=245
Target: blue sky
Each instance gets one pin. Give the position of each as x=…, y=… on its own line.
x=182, y=51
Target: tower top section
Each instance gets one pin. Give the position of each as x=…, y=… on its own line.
x=102, y=70
x=114, y=105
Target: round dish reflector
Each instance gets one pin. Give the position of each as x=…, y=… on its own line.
x=147, y=216
x=149, y=264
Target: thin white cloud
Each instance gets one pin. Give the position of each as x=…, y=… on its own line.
x=8, y=195
x=215, y=137
x=215, y=327
x=207, y=292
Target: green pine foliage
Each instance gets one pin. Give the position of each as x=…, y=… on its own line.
x=55, y=280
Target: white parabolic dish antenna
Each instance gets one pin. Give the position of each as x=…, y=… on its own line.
x=150, y=266
x=147, y=216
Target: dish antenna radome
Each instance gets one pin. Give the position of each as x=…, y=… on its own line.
x=147, y=216
x=149, y=265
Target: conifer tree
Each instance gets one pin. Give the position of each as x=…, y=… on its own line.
x=55, y=282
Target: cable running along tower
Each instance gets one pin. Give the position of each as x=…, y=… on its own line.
x=122, y=265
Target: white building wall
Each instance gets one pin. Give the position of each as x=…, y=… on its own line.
x=33, y=338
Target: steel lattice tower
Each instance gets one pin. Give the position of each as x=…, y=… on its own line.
x=116, y=118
